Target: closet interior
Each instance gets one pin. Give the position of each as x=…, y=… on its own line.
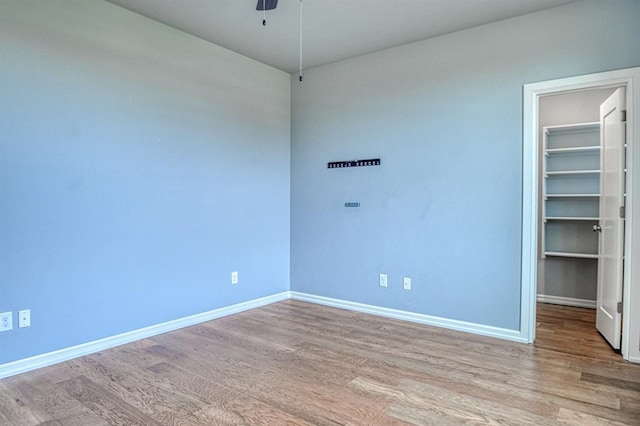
x=569, y=195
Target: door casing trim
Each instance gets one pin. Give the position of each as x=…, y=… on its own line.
x=630, y=79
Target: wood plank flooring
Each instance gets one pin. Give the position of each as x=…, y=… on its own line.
x=571, y=330
x=294, y=363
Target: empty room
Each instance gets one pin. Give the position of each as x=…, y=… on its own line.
x=319, y=212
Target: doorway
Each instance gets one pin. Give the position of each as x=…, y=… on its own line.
x=533, y=93
x=569, y=174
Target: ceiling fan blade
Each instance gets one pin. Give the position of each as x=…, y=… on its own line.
x=266, y=4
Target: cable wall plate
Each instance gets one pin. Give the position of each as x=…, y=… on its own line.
x=354, y=163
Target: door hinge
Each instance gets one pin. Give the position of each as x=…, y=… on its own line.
x=623, y=115
x=619, y=307
x=622, y=212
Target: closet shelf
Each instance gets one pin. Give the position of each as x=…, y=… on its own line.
x=586, y=127
x=570, y=218
x=571, y=172
x=570, y=254
x=572, y=150
x=571, y=195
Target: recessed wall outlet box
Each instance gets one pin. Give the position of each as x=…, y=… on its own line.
x=406, y=283
x=24, y=318
x=234, y=278
x=383, y=280
x=6, y=321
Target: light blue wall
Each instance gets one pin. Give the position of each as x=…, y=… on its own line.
x=139, y=167
x=445, y=117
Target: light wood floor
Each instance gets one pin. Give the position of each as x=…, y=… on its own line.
x=572, y=331
x=301, y=364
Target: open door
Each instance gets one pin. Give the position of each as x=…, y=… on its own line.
x=611, y=224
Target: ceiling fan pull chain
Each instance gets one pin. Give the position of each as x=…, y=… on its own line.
x=300, y=40
x=264, y=13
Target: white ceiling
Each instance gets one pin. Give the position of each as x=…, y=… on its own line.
x=333, y=30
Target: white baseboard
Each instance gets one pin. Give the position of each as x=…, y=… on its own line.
x=469, y=327
x=567, y=301
x=39, y=361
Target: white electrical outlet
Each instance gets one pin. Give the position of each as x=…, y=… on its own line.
x=406, y=283
x=6, y=321
x=234, y=278
x=24, y=318
x=383, y=280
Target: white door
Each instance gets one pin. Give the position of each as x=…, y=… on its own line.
x=611, y=226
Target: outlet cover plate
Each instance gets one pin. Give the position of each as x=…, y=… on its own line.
x=383, y=280
x=24, y=318
x=406, y=283
x=6, y=321
x=234, y=278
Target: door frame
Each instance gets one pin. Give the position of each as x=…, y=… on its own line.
x=629, y=78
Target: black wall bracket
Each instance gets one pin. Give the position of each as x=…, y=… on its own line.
x=354, y=163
